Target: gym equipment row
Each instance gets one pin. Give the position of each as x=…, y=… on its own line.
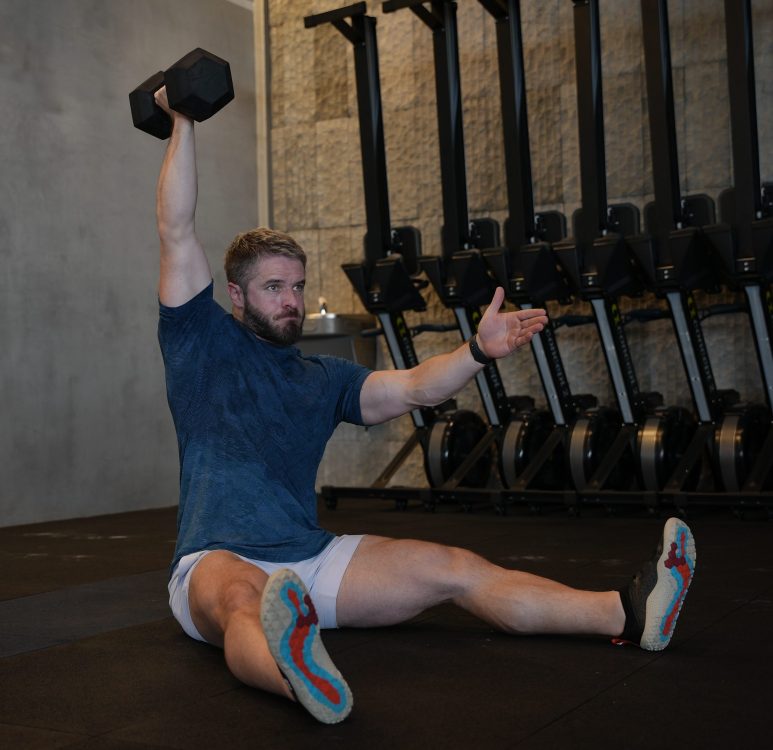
x=575, y=452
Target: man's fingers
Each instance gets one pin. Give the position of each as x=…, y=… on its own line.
x=161, y=100
x=532, y=319
x=530, y=325
x=532, y=313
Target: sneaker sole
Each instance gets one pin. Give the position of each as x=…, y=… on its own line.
x=292, y=630
x=675, y=570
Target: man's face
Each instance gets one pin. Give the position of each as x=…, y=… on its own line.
x=273, y=305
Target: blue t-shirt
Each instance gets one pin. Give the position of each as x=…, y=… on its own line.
x=252, y=421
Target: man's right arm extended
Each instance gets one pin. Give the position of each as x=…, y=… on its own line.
x=184, y=266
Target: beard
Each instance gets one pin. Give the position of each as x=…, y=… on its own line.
x=285, y=335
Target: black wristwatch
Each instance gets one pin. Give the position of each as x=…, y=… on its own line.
x=477, y=354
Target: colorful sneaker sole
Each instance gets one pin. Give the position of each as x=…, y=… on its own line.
x=292, y=630
x=675, y=570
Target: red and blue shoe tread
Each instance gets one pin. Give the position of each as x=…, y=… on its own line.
x=676, y=564
x=296, y=648
x=681, y=566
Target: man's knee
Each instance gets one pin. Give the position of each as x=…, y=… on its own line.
x=225, y=587
x=239, y=595
x=451, y=569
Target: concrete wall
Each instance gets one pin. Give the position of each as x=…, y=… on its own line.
x=317, y=182
x=84, y=427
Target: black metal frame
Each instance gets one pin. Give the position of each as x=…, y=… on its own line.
x=683, y=258
x=526, y=267
x=750, y=266
x=384, y=288
x=686, y=250
x=384, y=281
x=598, y=259
x=460, y=276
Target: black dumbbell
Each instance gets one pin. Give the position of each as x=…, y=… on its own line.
x=197, y=85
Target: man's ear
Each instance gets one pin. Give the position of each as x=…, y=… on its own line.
x=236, y=294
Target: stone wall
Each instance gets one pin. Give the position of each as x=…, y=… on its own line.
x=317, y=179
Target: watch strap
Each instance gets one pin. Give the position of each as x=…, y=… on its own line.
x=477, y=353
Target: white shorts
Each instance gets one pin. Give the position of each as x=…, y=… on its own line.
x=321, y=575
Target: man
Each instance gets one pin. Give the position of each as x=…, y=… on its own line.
x=253, y=572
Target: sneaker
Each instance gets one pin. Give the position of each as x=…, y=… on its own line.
x=292, y=629
x=654, y=598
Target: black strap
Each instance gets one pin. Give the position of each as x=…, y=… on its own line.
x=477, y=354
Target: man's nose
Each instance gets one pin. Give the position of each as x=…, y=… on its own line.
x=289, y=299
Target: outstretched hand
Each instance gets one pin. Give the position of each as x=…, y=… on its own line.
x=501, y=333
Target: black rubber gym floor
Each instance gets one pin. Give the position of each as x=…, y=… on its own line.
x=90, y=657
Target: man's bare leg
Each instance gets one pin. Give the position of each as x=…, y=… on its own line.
x=224, y=598
x=389, y=581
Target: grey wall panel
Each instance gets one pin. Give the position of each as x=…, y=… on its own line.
x=84, y=427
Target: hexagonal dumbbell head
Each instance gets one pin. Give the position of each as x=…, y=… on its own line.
x=146, y=114
x=199, y=84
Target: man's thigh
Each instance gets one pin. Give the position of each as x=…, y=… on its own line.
x=391, y=580
x=221, y=582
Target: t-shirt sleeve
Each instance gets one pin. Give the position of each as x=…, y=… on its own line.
x=349, y=378
x=183, y=333
x=181, y=328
